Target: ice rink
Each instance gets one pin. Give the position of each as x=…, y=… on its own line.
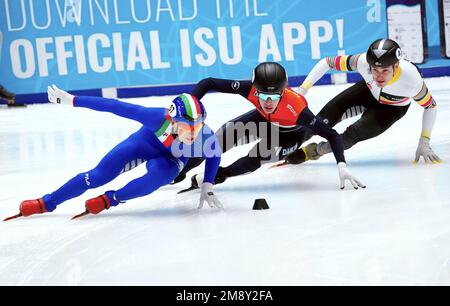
x=395, y=232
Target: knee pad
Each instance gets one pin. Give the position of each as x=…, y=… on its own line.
x=167, y=168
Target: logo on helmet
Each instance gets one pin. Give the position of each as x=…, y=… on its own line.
x=235, y=85
x=398, y=53
x=379, y=52
x=172, y=110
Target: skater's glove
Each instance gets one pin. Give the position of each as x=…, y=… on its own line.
x=424, y=150
x=207, y=195
x=344, y=175
x=302, y=91
x=59, y=96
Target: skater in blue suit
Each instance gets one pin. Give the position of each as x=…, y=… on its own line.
x=167, y=139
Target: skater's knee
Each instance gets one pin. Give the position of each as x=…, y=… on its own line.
x=166, y=169
x=355, y=134
x=174, y=168
x=348, y=142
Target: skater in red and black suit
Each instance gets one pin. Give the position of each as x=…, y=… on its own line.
x=279, y=119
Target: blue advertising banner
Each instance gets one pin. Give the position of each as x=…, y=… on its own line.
x=85, y=44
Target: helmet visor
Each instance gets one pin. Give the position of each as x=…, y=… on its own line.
x=266, y=96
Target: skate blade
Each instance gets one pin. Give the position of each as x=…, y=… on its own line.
x=13, y=217
x=187, y=189
x=80, y=215
x=278, y=165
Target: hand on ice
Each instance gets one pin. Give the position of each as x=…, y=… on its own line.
x=59, y=96
x=424, y=150
x=344, y=175
x=207, y=195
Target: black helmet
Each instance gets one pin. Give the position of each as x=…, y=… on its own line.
x=383, y=53
x=269, y=77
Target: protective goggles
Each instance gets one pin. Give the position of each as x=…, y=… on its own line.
x=190, y=128
x=272, y=96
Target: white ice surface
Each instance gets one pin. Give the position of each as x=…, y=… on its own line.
x=395, y=232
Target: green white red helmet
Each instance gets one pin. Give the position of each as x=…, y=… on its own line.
x=187, y=108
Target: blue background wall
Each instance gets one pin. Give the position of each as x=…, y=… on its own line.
x=83, y=45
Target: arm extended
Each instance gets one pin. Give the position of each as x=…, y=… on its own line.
x=424, y=99
x=144, y=115
x=308, y=119
x=222, y=85
x=338, y=63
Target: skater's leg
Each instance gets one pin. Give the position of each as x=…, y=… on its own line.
x=242, y=166
x=108, y=168
x=161, y=171
x=374, y=122
x=192, y=163
x=351, y=102
x=267, y=150
x=240, y=131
